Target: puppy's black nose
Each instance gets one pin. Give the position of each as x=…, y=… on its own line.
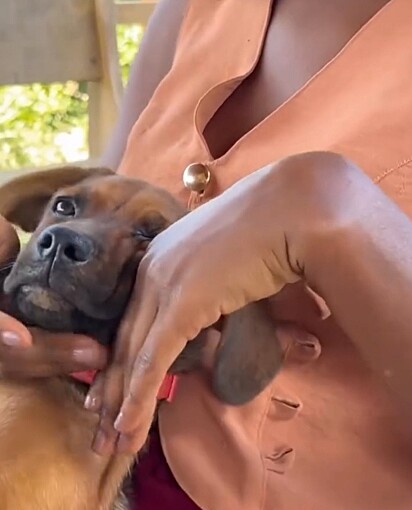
x=58, y=242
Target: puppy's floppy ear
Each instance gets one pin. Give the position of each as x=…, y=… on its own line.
x=23, y=200
x=248, y=357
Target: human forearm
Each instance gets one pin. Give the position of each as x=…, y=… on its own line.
x=359, y=259
x=149, y=67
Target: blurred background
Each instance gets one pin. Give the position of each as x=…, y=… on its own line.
x=51, y=121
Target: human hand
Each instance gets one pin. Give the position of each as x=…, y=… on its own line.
x=238, y=248
x=265, y=232
x=35, y=353
x=313, y=216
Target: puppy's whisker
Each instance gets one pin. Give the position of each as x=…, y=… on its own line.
x=6, y=266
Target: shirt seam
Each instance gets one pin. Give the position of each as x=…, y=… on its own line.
x=392, y=169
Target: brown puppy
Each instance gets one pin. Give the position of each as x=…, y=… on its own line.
x=91, y=229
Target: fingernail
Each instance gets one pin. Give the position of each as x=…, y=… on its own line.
x=85, y=356
x=119, y=422
x=91, y=403
x=10, y=339
x=99, y=442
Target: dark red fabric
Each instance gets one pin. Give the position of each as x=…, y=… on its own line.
x=154, y=485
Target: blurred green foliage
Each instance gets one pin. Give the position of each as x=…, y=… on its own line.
x=47, y=124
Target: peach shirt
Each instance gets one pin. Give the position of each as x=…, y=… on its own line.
x=326, y=435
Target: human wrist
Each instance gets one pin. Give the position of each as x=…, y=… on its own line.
x=331, y=223
x=318, y=202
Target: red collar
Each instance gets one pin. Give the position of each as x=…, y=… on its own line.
x=166, y=390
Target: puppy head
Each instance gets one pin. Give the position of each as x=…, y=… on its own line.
x=90, y=230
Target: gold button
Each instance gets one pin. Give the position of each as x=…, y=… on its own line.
x=196, y=177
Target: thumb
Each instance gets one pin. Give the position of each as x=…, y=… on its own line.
x=13, y=333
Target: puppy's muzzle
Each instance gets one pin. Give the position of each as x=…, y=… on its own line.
x=60, y=245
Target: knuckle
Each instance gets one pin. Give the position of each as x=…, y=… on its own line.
x=169, y=294
x=143, y=362
x=110, y=407
x=152, y=269
x=106, y=420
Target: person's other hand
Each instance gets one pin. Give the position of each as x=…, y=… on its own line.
x=37, y=353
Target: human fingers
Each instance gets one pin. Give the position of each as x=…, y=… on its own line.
x=110, y=393
x=52, y=354
x=13, y=333
x=166, y=339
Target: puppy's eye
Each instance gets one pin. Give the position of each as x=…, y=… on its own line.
x=144, y=234
x=149, y=227
x=64, y=206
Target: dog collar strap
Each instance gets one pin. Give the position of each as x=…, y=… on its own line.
x=86, y=377
x=168, y=387
x=166, y=390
